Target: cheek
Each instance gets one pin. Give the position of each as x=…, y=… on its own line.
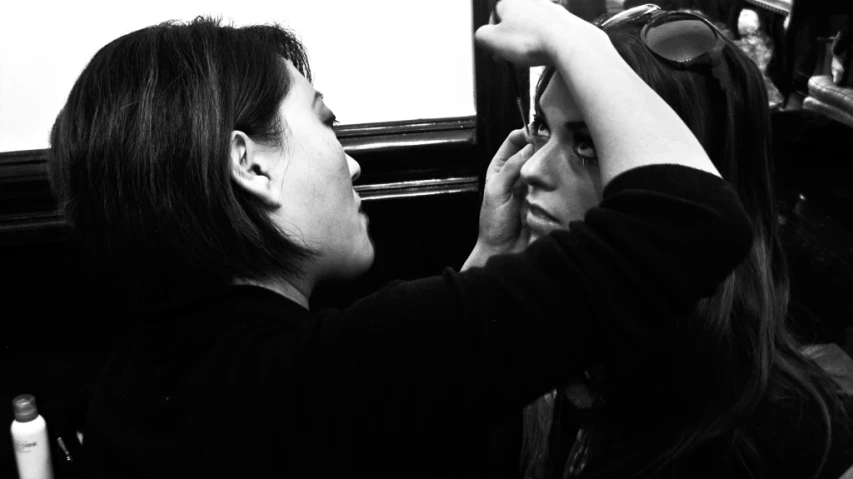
x=589, y=187
x=316, y=178
x=328, y=170
x=579, y=190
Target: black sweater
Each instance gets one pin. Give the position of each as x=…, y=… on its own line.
x=405, y=382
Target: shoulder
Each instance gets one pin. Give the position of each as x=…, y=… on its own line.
x=212, y=336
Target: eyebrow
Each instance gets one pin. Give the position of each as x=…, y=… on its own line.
x=576, y=125
x=570, y=125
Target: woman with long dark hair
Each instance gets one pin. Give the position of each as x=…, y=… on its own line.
x=722, y=391
x=202, y=167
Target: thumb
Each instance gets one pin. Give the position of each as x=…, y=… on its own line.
x=490, y=38
x=506, y=179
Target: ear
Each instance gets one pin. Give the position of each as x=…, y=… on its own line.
x=251, y=168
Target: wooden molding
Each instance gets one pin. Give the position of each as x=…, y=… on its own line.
x=411, y=189
x=399, y=159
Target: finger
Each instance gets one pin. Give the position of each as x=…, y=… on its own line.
x=492, y=39
x=506, y=179
x=514, y=142
x=495, y=17
x=519, y=189
x=495, y=58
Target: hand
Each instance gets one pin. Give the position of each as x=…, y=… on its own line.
x=501, y=227
x=837, y=70
x=527, y=32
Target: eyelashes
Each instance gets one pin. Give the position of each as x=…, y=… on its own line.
x=536, y=124
x=583, y=160
x=582, y=150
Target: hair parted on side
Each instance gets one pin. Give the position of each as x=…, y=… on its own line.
x=755, y=358
x=139, y=154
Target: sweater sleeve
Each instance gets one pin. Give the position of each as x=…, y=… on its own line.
x=494, y=338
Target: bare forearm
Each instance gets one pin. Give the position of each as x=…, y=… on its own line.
x=630, y=124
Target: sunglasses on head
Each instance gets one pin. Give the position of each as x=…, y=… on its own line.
x=681, y=39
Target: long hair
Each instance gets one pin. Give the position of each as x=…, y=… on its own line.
x=734, y=355
x=139, y=156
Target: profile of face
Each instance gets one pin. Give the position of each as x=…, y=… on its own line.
x=307, y=181
x=562, y=177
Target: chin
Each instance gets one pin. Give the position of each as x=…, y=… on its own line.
x=366, y=261
x=360, y=261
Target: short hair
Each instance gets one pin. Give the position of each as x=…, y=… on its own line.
x=140, y=154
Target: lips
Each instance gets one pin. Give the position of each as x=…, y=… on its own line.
x=360, y=210
x=358, y=202
x=539, y=220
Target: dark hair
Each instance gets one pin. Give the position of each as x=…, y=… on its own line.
x=140, y=162
x=735, y=351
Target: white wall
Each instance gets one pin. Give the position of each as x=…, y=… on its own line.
x=375, y=60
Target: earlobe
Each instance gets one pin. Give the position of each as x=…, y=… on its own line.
x=251, y=169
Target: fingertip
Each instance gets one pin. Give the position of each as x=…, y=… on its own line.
x=519, y=137
x=482, y=34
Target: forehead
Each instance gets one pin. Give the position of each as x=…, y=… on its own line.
x=300, y=87
x=557, y=104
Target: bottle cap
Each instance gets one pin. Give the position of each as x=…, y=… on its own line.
x=25, y=408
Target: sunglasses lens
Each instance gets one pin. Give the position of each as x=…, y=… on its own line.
x=681, y=40
x=630, y=15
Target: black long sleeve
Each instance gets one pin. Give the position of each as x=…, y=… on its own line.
x=663, y=237
x=412, y=375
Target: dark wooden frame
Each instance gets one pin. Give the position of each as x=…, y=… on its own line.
x=398, y=159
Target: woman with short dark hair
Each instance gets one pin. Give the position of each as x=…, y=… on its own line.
x=200, y=164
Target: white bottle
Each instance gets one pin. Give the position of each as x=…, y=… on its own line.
x=29, y=438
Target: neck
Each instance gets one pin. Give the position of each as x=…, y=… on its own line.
x=289, y=290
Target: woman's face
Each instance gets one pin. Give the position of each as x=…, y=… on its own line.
x=320, y=208
x=562, y=177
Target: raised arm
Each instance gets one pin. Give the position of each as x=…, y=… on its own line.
x=630, y=124
x=500, y=335
x=489, y=339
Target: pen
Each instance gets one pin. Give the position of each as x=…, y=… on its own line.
x=518, y=99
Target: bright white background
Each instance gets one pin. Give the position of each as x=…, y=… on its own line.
x=375, y=60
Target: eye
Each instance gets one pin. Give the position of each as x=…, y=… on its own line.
x=584, y=152
x=538, y=127
x=585, y=148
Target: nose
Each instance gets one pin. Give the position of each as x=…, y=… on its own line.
x=537, y=172
x=354, y=168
